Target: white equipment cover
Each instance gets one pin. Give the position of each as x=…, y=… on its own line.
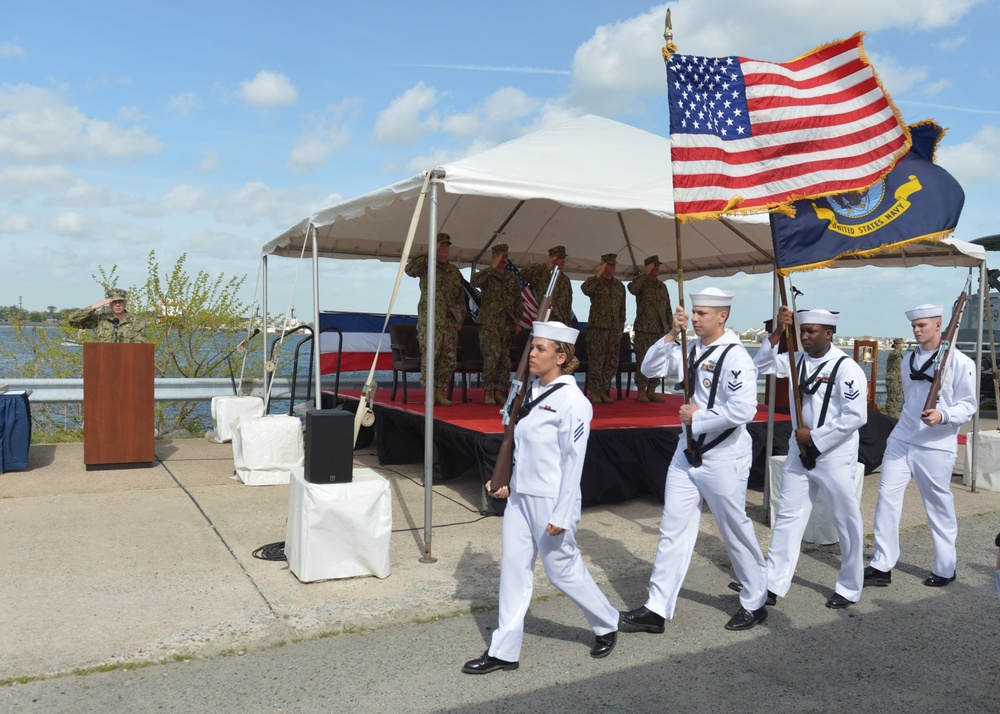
x=338, y=530
x=226, y=410
x=592, y=184
x=987, y=461
x=267, y=448
x=820, y=528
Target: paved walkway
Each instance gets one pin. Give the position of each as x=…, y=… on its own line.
x=151, y=565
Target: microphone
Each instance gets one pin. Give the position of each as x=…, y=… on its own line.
x=115, y=321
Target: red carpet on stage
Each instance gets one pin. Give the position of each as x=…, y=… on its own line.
x=476, y=416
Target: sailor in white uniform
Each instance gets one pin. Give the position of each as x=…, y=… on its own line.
x=543, y=509
x=923, y=445
x=710, y=464
x=834, y=392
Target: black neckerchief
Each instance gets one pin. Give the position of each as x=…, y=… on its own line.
x=702, y=446
x=527, y=406
x=693, y=365
x=920, y=373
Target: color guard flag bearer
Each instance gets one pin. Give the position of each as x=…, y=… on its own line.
x=713, y=467
x=834, y=406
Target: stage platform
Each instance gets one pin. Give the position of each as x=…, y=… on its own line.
x=630, y=445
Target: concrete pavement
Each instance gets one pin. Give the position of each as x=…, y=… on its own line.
x=127, y=567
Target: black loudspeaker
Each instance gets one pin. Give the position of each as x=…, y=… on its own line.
x=329, y=446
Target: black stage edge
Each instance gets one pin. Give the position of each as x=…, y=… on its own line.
x=620, y=463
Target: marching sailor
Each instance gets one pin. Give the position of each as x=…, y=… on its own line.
x=834, y=392
x=923, y=445
x=541, y=517
x=713, y=468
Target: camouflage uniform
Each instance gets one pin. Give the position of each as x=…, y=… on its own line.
x=894, y=381
x=539, y=275
x=653, y=319
x=604, y=331
x=450, y=308
x=499, y=314
x=130, y=329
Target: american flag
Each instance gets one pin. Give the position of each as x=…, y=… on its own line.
x=748, y=134
x=530, y=301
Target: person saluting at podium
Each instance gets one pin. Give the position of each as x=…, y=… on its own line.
x=543, y=512
x=116, y=325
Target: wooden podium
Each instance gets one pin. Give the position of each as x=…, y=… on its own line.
x=117, y=404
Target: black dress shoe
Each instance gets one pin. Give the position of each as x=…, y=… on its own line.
x=745, y=619
x=603, y=644
x=771, y=600
x=487, y=664
x=838, y=601
x=876, y=577
x=936, y=581
x=642, y=618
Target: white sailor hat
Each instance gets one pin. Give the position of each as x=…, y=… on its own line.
x=818, y=317
x=922, y=311
x=712, y=297
x=554, y=330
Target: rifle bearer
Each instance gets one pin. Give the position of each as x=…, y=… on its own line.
x=923, y=445
x=822, y=451
x=713, y=467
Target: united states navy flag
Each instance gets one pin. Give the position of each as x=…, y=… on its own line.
x=917, y=200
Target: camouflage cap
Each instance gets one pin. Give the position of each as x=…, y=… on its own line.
x=898, y=342
x=610, y=258
x=558, y=251
x=501, y=249
x=652, y=259
x=116, y=294
x=443, y=238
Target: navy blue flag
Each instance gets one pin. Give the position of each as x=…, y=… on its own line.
x=917, y=200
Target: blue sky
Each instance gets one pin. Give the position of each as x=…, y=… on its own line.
x=209, y=128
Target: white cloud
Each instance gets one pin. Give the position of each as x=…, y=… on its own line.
x=16, y=223
x=935, y=88
x=326, y=132
x=975, y=160
x=896, y=78
x=11, y=49
x=132, y=113
x=268, y=89
x=408, y=117
x=209, y=161
x=183, y=104
x=38, y=125
x=110, y=140
x=17, y=183
x=81, y=227
x=950, y=44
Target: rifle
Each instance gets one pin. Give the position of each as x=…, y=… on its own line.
x=943, y=360
x=807, y=454
x=518, y=387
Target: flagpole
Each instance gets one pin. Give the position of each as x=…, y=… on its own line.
x=668, y=37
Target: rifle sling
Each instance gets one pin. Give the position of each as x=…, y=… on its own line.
x=526, y=407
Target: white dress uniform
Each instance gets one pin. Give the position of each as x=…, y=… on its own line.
x=721, y=480
x=835, y=472
x=549, y=448
x=927, y=454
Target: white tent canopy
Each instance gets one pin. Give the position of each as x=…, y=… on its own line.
x=592, y=184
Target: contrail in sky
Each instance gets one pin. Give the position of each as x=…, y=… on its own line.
x=949, y=106
x=485, y=68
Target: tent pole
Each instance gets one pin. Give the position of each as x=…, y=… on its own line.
x=432, y=230
x=628, y=244
x=772, y=390
x=496, y=234
x=983, y=285
x=318, y=393
x=263, y=328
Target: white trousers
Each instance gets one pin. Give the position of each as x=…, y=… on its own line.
x=723, y=485
x=524, y=538
x=834, y=475
x=931, y=468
